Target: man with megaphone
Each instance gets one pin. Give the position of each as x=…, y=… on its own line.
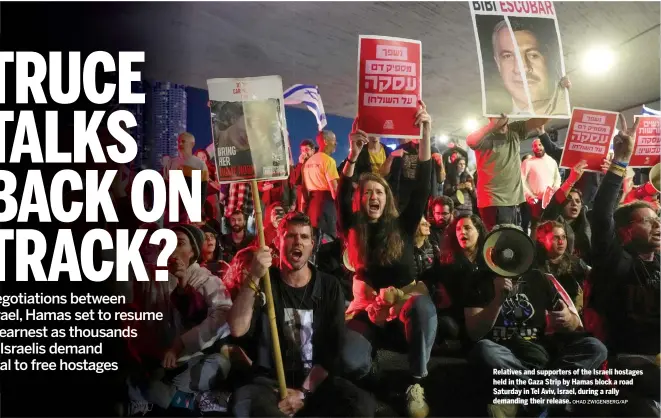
x=522, y=319
x=625, y=277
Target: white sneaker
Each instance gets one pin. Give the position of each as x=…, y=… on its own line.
x=415, y=402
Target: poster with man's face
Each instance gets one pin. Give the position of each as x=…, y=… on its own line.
x=249, y=129
x=520, y=58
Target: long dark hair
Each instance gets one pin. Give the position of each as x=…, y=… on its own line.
x=388, y=243
x=452, y=251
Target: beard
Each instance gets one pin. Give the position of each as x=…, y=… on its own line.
x=540, y=154
x=238, y=228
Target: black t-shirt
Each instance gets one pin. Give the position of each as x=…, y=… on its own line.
x=571, y=280
x=523, y=311
x=297, y=331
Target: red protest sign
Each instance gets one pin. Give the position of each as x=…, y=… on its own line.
x=588, y=138
x=647, y=150
x=389, y=85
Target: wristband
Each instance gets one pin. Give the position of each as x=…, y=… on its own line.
x=618, y=170
x=621, y=164
x=352, y=162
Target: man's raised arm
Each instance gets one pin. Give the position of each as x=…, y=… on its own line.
x=474, y=139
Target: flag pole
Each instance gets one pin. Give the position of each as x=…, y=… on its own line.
x=270, y=307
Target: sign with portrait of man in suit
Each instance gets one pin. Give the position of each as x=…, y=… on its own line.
x=520, y=57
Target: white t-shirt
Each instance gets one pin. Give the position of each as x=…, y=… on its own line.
x=538, y=174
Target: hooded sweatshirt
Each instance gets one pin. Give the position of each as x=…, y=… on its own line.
x=218, y=303
x=156, y=337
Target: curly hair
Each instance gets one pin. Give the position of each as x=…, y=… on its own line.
x=452, y=251
x=389, y=244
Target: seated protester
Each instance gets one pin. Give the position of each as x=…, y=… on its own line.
x=460, y=181
x=442, y=215
x=194, y=306
x=459, y=259
x=553, y=258
x=388, y=303
x=332, y=259
x=625, y=276
x=210, y=257
x=423, y=252
x=310, y=319
x=567, y=208
x=526, y=323
x=238, y=238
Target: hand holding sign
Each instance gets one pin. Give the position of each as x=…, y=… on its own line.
x=577, y=172
x=498, y=123
x=422, y=117
x=624, y=141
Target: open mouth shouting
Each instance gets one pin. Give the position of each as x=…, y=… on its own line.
x=296, y=255
x=373, y=209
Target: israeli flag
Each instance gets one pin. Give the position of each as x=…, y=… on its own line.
x=310, y=97
x=652, y=112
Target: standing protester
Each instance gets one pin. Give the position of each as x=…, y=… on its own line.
x=372, y=158
x=538, y=173
x=307, y=150
x=625, y=276
x=400, y=170
x=309, y=308
x=499, y=188
x=187, y=162
x=238, y=198
x=381, y=250
x=460, y=181
x=320, y=179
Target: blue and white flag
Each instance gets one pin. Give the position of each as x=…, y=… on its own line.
x=652, y=112
x=310, y=97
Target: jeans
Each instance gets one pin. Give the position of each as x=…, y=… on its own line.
x=498, y=215
x=419, y=324
x=200, y=374
x=583, y=353
x=335, y=397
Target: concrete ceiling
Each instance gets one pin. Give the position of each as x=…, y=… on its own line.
x=308, y=42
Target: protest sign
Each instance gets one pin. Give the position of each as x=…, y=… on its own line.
x=647, y=150
x=389, y=86
x=588, y=138
x=249, y=129
x=520, y=57
x=548, y=195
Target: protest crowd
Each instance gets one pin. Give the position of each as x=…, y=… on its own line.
x=388, y=256
x=355, y=271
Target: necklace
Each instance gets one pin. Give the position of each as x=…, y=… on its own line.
x=290, y=319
